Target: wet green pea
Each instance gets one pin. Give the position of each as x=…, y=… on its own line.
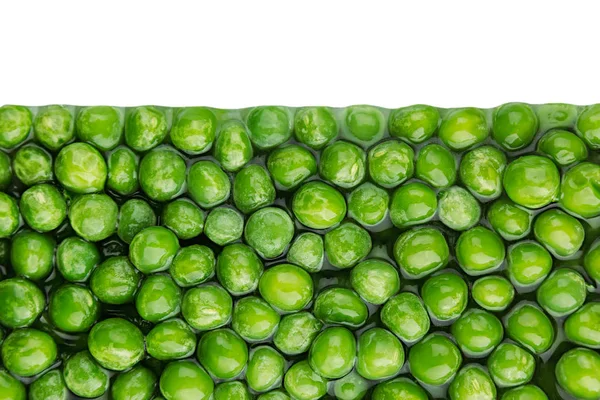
x=510, y=365
x=286, y=287
x=43, y=207
x=239, y=269
x=184, y=218
x=561, y=233
x=31, y=254
x=171, y=340
x=207, y=307
x=591, y=261
x=193, y=265
x=162, y=174
x=145, y=128
x=184, y=379
x=123, y=171
x=578, y=191
x=435, y=360
x=269, y=231
x=364, y=124
x=84, y=377
x=115, y=281
x=564, y=147
x=134, y=216
x=530, y=327
x=528, y=264
x=138, y=383
x=421, y=251
x=514, y=126
x=472, y=383
x=232, y=390
x=27, y=352
x=158, y=298
x=265, y=368
x=223, y=353
x=414, y=124
x=75, y=259
x=101, y=126
x=463, y=128
x=563, y=292
x=578, y=373
x=583, y=327
x=291, y=165
x=343, y=164
x=318, y=205
x=94, y=217
x=479, y=251
x=445, y=296
x=233, y=148
x=458, y=209
x=73, y=308
x=80, y=168
x=350, y=387
x=368, y=204
x=477, y=332
x=340, y=306
x=406, y=316
x=532, y=181
x=303, y=383
x=391, y=163
x=253, y=189
x=493, y=293
x=509, y=220
x=588, y=127
x=194, y=130
x=436, y=166
x=32, y=165
x=54, y=126
x=224, y=225
x=347, y=244
x=15, y=124
x=21, y=302
x=481, y=171
x=399, y=388
x=333, y=352
x=375, y=280
x=380, y=354
x=315, y=126
x=6, y=170
x=11, y=388
x=153, y=249
x=413, y=203
x=116, y=344
x=307, y=251
x=207, y=184
x=525, y=392
x=254, y=319
x=50, y=386
x=296, y=332
x=269, y=126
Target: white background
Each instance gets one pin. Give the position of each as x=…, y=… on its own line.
x=236, y=54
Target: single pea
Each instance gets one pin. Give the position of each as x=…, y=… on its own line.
x=340, y=306
x=399, y=388
x=591, y=261
x=291, y=165
x=182, y=380
x=6, y=170
x=479, y=251
x=15, y=124
x=375, y=280
x=307, y=251
x=588, y=127
x=158, y=298
x=134, y=216
x=406, y=316
x=303, y=383
x=138, y=383
x=463, y=128
x=434, y=360
x=445, y=296
x=252, y=189
x=436, y=166
x=9, y=215
x=481, y=171
x=145, y=128
x=254, y=319
x=269, y=126
x=239, y=269
x=27, y=352
x=73, y=308
x=477, y=332
x=514, y=126
x=94, y=217
x=31, y=254
x=318, y=205
x=11, y=388
x=232, y=390
x=578, y=191
x=391, y=163
x=413, y=203
x=162, y=174
x=332, y=353
x=80, y=168
x=224, y=225
x=564, y=147
x=21, y=302
x=578, y=373
x=528, y=264
x=525, y=392
x=493, y=293
x=269, y=231
x=380, y=354
x=351, y=387
x=116, y=344
x=171, y=340
x=233, y=148
x=54, y=126
x=532, y=181
x=101, y=126
x=194, y=130
x=153, y=249
x=414, y=124
x=458, y=209
x=583, y=327
x=421, y=251
x=510, y=365
x=562, y=293
x=207, y=307
x=115, y=281
x=296, y=332
x=530, y=327
x=556, y=115
x=223, y=353
x=207, y=184
x=315, y=126
x=343, y=164
x=50, y=386
x=84, y=377
x=193, y=265
x=346, y=245
x=265, y=368
x=286, y=287
x=184, y=218
x=472, y=383
x=561, y=233
x=364, y=124
x=509, y=220
x=32, y=165
x=368, y=204
x=123, y=171
x=43, y=207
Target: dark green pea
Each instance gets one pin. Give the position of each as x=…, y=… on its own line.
x=181, y=380
x=479, y=251
x=318, y=205
x=239, y=269
x=445, y=296
x=532, y=181
x=153, y=249
x=193, y=265
x=232, y=390
x=171, y=340
x=563, y=292
x=158, y=298
x=286, y=287
x=525, y=392
x=116, y=344
x=224, y=225
x=269, y=126
x=481, y=171
x=6, y=172
x=351, y=387
x=346, y=245
x=80, y=168
x=54, y=126
x=94, y=216
x=296, y=332
x=399, y=388
x=15, y=124
x=43, y=207
x=343, y=164
x=578, y=373
x=265, y=368
x=463, y=128
x=414, y=124
x=364, y=124
x=32, y=165
x=134, y=216
x=138, y=383
x=115, y=281
x=50, y=386
x=307, y=251
x=459, y=210
x=269, y=231
x=303, y=383
x=101, y=126
x=510, y=220
x=588, y=126
x=184, y=218
x=253, y=189
x=162, y=174
x=27, y=352
x=578, y=191
x=73, y=308
x=291, y=165
x=561, y=233
x=31, y=254
x=375, y=280
x=207, y=307
x=315, y=126
x=333, y=352
x=582, y=326
x=436, y=166
x=472, y=383
x=123, y=171
x=564, y=147
x=421, y=251
x=556, y=115
x=145, y=128
x=84, y=377
x=510, y=365
x=207, y=184
x=4, y=251
x=11, y=388
x=21, y=302
x=75, y=259
x=528, y=264
x=194, y=130
x=435, y=360
x=340, y=306
x=223, y=353
x=477, y=332
x=368, y=204
x=391, y=163
x=413, y=203
x=530, y=327
x=380, y=354
x=514, y=126
x=494, y=293
x=233, y=148
x=405, y=315
x=254, y=319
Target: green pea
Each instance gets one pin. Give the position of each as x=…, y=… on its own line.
x=194, y=130
x=296, y=332
x=286, y=287
x=43, y=207
x=54, y=126
x=582, y=326
x=591, y=261
x=479, y=251
x=343, y=164
x=340, y=306
x=303, y=383
x=514, y=126
x=207, y=307
x=477, y=332
x=434, y=360
x=414, y=124
x=525, y=392
x=510, y=365
x=233, y=148
x=463, y=128
x=223, y=353
x=364, y=124
x=170, y=340
x=101, y=126
x=405, y=315
x=459, y=210
x=84, y=377
x=239, y=269
x=123, y=171
x=21, y=302
x=269, y=126
x=399, y=388
x=162, y=174
x=31, y=255
x=94, y=217
x=32, y=165
x=291, y=165
x=445, y=296
x=153, y=249
x=318, y=205
x=145, y=128
x=207, y=184
x=561, y=233
x=135, y=215
x=116, y=344
x=315, y=126
x=368, y=204
x=436, y=166
x=184, y=218
x=588, y=127
x=578, y=191
x=509, y=220
x=73, y=308
x=50, y=386
x=158, y=298
x=421, y=251
x=138, y=383
x=115, y=281
x=532, y=181
x=232, y=390
x=472, y=383
x=307, y=251
x=332, y=353
x=347, y=244
x=493, y=293
x=80, y=168
x=413, y=203
x=269, y=231
x=6, y=172
x=562, y=293
x=578, y=373
x=27, y=352
x=15, y=124
x=252, y=189
x=11, y=388
x=375, y=280
x=265, y=369
x=254, y=319
x=351, y=387
x=481, y=171
x=528, y=264
x=182, y=380
x=224, y=225
x=193, y=265
x=564, y=147
x=530, y=327
x=556, y=115
x=380, y=354
x=391, y=163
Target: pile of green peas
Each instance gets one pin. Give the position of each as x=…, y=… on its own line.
x=276, y=253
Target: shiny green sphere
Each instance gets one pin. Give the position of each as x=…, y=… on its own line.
x=445, y=296
x=399, y=388
x=239, y=269
x=115, y=281
x=54, y=126
x=435, y=360
x=269, y=231
x=368, y=204
x=511, y=221
x=21, y=302
x=561, y=233
x=375, y=280
x=350, y=387
x=291, y=165
x=421, y=251
x=405, y=316
x=510, y=365
x=458, y=209
x=412, y=204
x=493, y=293
x=333, y=352
x=303, y=383
x=269, y=126
x=101, y=126
x=182, y=380
x=232, y=390
x=578, y=373
x=27, y=352
x=583, y=327
x=588, y=126
x=479, y=251
x=296, y=332
x=564, y=147
x=340, y=306
x=318, y=205
x=343, y=164
x=122, y=166
x=194, y=130
x=477, y=332
x=562, y=293
x=207, y=184
x=145, y=128
x=170, y=340
x=153, y=249
x=80, y=168
x=43, y=207
x=252, y=189
x=223, y=353
x=94, y=217
x=514, y=126
x=12, y=389
x=233, y=148
x=116, y=344
x=364, y=124
x=481, y=171
x=414, y=124
x=436, y=166
x=137, y=383
x=530, y=327
x=158, y=298
x=591, y=261
x=315, y=126
x=193, y=265
x=532, y=181
x=49, y=386
x=76, y=258
x=286, y=287
x=346, y=245
x=32, y=255
x=184, y=218
x=463, y=128
x=254, y=319
x=380, y=354
x=307, y=251
x=207, y=307
x=32, y=165
x=472, y=383
x=134, y=216
x=15, y=124
x=525, y=392
x=73, y=308
x=265, y=368
x=528, y=264
x=162, y=174
x=578, y=190
x=391, y=163
x=84, y=377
